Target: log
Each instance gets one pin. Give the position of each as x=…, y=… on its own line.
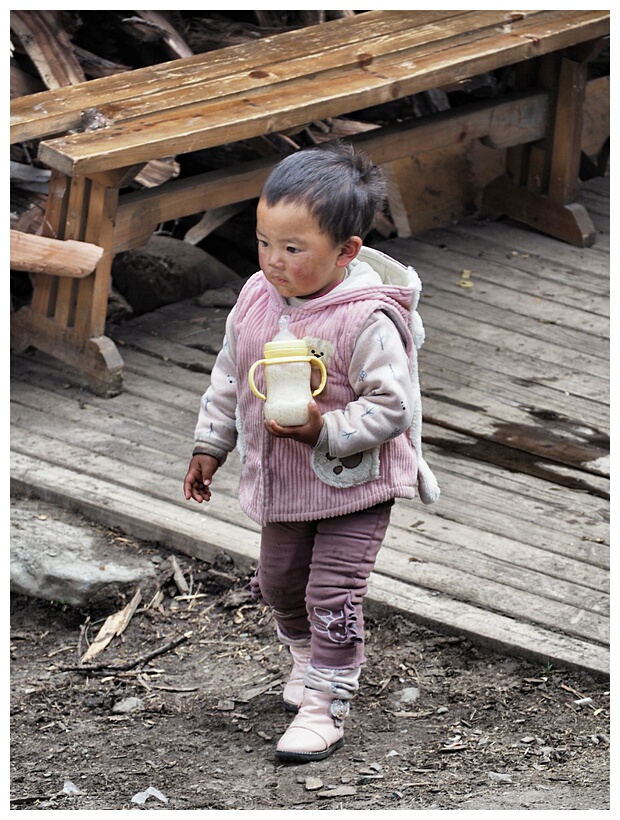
x=49, y=47
x=164, y=30
x=56, y=257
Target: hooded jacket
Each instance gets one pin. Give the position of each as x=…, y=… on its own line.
x=367, y=333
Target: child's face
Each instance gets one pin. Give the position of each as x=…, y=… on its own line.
x=295, y=255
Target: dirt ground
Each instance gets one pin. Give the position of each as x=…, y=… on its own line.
x=182, y=711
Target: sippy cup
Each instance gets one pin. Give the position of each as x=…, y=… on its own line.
x=287, y=378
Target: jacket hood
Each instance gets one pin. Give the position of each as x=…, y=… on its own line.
x=375, y=274
x=403, y=283
x=371, y=261
x=373, y=267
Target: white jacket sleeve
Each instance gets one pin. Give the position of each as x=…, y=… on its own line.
x=380, y=375
x=216, y=430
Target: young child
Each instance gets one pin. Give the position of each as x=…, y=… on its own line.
x=322, y=492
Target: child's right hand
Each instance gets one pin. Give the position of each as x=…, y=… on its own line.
x=198, y=479
x=307, y=433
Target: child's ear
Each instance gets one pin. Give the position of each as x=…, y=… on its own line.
x=349, y=250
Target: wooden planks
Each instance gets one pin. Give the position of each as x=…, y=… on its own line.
x=285, y=82
x=515, y=555
x=310, y=76
x=517, y=118
x=160, y=88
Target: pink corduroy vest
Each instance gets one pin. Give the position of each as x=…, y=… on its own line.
x=278, y=482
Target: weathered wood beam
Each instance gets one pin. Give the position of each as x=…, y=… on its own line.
x=518, y=119
x=48, y=45
x=55, y=257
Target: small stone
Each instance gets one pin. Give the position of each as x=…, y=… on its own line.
x=600, y=738
x=339, y=791
x=498, y=777
x=123, y=707
x=70, y=788
x=313, y=783
x=408, y=695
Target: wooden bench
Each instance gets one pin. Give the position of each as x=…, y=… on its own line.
x=283, y=82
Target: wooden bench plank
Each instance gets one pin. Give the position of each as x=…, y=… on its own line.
x=291, y=54
x=260, y=110
x=515, y=119
x=311, y=52
x=45, y=114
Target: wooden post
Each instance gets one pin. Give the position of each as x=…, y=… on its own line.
x=542, y=192
x=67, y=314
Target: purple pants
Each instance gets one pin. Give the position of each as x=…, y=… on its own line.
x=313, y=575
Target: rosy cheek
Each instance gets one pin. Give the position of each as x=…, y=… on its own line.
x=298, y=271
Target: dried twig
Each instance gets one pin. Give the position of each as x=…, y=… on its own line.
x=179, y=578
x=125, y=667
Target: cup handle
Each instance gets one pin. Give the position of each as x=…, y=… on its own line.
x=321, y=367
x=253, y=387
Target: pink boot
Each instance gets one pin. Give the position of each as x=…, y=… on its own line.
x=294, y=688
x=317, y=730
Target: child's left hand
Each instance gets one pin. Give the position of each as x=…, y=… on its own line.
x=305, y=433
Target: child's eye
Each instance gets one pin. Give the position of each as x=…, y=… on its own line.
x=291, y=249
x=261, y=243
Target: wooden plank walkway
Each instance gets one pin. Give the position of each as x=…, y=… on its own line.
x=515, y=377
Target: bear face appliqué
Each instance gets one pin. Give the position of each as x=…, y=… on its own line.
x=348, y=471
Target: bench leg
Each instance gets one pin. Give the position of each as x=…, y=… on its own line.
x=67, y=316
x=97, y=357
x=542, y=181
x=571, y=223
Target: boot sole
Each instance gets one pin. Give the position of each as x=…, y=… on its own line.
x=306, y=757
x=291, y=707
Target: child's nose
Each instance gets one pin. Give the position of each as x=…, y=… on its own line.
x=276, y=258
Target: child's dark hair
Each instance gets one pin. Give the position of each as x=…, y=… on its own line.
x=341, y=188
